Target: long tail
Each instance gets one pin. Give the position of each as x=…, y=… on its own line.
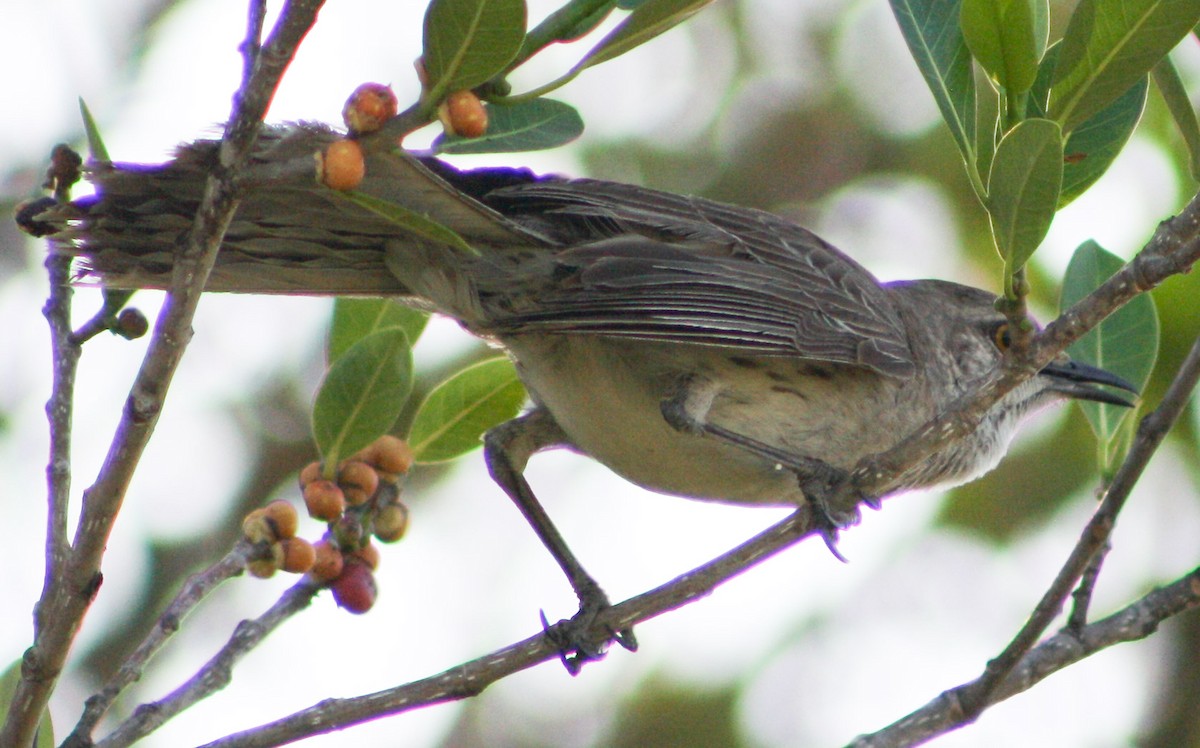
x=290, y=235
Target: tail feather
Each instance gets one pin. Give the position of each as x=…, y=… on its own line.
x=290, y=235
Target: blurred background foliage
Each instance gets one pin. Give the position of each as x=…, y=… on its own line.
x=805, y=109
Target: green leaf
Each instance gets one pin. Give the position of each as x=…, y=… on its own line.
x=8, y=689
x=1125, y=344
x=355, y=318
x=467, y=42
x=648, y=20
x=409, y=220
x=457, y=412
x=1003, y=35
x=1166, y=77
x=363, y=393
x=96, y=148
x=1108, y=46
x=935, y=39
x=531, y=125
x=1023, y=189
x=1092, y=146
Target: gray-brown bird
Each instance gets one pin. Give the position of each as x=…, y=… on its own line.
x=695, y=348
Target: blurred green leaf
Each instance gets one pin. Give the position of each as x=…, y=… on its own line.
x=363, y=394
x=1108, y=46
x=1023, y=189
x=457, y=412
x=935, y=39
x=1125, y=344
x=532, y=125
x=1166, y=77
x=467, y=42
x=408, y=220
x=8, y=689
x=355, y=318
x=649, y=19
x=96, y=148
x=1003, y=35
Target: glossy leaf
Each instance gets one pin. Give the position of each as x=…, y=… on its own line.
x=8, y=689
x=1166, y=77
x=467, y=42
x=1004, y=36
x=96, y=148
x=362, y=394
x=1023, y=189
x=1108, y=46
x=409, y=220
x=648, y=20
x=454, y=417
x=532, y=125
x=355, y=318
x=1125, y=344
x=934, y=37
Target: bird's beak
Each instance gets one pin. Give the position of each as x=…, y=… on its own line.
x=1082, y=382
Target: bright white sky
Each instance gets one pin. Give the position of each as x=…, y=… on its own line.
x=826, y=650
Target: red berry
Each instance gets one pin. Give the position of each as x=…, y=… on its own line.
x=371, y=105
x=355, y=589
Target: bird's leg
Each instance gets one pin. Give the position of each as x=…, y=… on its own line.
x=818, y=479
x=507, y=448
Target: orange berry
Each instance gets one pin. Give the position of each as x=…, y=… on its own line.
x=310, y=473
x=463, y=114
x=389, y=454
x=262, y=568
x=298, y=555
x=341, y=166
x=283, y=517
x=327, y=562
x=257, y=528
x=354, y=590
x=368, y=554
x=358, y=481
x=371, y=105
x=324, y=500
x=390, y=522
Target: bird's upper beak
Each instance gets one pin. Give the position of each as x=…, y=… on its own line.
x=1082, y=382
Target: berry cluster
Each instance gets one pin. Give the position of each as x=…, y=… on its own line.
x=358, y=499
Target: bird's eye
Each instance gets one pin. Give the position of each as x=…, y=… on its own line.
x=1002, y=336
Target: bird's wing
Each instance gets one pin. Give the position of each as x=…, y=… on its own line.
x=658, y=266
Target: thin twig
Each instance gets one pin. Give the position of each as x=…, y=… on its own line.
x=1134, y=622
x=197, y=587
x=963, y=704
x=470, y=678
x=217, y=672
x=69, y=594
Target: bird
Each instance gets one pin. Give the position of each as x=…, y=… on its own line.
x=695, y=348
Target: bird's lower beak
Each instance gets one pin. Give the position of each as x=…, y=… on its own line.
x=1083, y=382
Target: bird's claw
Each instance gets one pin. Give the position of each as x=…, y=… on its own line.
x=581, y=639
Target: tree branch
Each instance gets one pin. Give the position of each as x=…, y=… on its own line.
x=71, y=589
x=964, y=704
x=194, y=590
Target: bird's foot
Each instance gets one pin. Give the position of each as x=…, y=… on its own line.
x=582, y=638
